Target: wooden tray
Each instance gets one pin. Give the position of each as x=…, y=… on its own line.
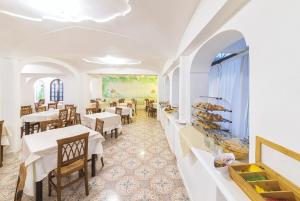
x=275, y=185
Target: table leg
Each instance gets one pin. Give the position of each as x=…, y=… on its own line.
x=116, y=133
x=27, y=128
x=39, y=191
x=1, y=156
x=94, y=156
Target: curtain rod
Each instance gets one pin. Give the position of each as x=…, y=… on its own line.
x=230, y=56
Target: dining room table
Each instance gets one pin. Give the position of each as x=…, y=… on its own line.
x=39, y=152
x=37, y=117
x=125, y=110
x=111, y=121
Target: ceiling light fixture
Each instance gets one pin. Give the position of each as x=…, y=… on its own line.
x=111, y=60
x=66, y=10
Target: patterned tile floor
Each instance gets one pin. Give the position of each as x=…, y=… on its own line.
x=139, y=166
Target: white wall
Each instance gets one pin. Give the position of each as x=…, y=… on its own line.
x=10, y=100
x=175, y=88
x=271, y=30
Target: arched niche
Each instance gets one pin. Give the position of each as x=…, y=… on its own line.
x=202, y=60
x=167, y=88
x=226, y=79
x=47, y=69
x=175, y=88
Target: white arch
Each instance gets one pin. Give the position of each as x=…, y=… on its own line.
x=175, y=87
x=207, y=52
x=60, y=63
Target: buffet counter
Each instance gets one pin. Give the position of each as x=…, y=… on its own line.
x=196, y=165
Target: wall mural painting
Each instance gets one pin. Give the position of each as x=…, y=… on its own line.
x=129, y=87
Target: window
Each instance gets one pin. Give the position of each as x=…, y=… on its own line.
x=56, y=90
x=39, y=90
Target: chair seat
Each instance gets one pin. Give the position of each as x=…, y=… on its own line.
x=73, y=167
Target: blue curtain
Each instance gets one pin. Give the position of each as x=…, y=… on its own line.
x=230, y=80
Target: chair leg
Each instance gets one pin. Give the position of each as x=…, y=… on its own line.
x=116, y=133
x=49, y=184
x=102, y=161
x=86, y=181
x=58, y=191
x=1, y=156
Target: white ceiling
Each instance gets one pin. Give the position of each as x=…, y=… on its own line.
x=150, y=33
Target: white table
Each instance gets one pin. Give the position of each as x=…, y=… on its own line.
x=39, y=117
x=111, y=121
x=125, y=110
x=39, y=152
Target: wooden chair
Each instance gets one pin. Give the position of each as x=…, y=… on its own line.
x=52, y=106
x=147, y=104
x=135, y=105
x=1, y=149
x=118, y=111
x=42, y=101
x=72, y=116
x=26, y=110
x=90, y=111
x=71, y=157
x=41, y=109
x=63, y=116
x=113, y=104
x=69, y=106
x=20, y=183
x=51, y=124
x=36, y=106
x=98, y=109
x=77, y=118
x=99, y=128
x=152, y=112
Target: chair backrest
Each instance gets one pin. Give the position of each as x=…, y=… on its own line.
x=113, y=104
x=99, y=126
x=26, y=106
x=90, y=110
x=69, y=106
x=118, y=111
x=25, y=110
x=72, y=149
x=1, y=129
x=42, y=101
x=20, y=183
x=41, y=109
x=51, y=124
x=52, y=106
x=78, y=118
x=72, y=112
x=36, y=106
x=63, y=115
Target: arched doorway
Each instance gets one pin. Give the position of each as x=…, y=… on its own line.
x=219, y=75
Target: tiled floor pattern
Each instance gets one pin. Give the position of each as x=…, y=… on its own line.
x=139, y=166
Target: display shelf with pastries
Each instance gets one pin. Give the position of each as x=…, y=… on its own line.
x=210, y=107
x=211, y=117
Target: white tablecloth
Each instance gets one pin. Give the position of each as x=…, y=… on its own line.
x=39, y=151
x=111, y=121
x=125, y=110
x=41, y=116
x=5, y=136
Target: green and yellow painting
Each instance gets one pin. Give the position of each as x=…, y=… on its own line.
x=130, y=86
